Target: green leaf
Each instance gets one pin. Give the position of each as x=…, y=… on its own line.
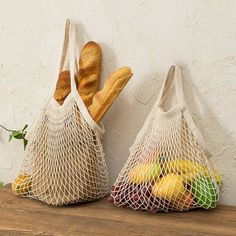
x=25, y=127
x=10, y=137
x=25, y=143
x=17, y=134
x=1, y=184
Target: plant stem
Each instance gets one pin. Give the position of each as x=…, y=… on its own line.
x=9, y=130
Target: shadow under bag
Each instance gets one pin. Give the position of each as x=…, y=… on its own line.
x=64, y=160
x=168, y=167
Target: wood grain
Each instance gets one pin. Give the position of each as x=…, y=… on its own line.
x=21, y=216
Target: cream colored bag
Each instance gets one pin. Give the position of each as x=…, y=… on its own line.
x=168, y=167
x=64, y=160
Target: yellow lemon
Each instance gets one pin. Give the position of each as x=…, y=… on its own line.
x=144, y=172
x=21, y=184
x=191, y=176
x=182, y=165
x=189, y=170
x=218, y=177
x=169, y=187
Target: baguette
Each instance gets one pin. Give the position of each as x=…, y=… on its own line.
x=112, y=88
x=63, y=87
x=89, y=72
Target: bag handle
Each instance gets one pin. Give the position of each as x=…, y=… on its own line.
x=70, y=51
x=173, y=77
x=72, y=45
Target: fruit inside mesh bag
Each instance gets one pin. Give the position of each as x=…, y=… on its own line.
x=168, y=167
x=165, y=185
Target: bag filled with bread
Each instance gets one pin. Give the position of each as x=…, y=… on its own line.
x=168, y=167
x=64, y=160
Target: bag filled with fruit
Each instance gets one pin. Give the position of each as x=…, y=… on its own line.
x=168, y=167
x=64, y=160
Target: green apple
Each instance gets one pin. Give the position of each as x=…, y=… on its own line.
x=205, y=192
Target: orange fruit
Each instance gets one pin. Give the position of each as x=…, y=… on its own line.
x=186, y=203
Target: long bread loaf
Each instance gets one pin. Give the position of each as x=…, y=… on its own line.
x=112, y=88
x=89, y=72
x=62, y=87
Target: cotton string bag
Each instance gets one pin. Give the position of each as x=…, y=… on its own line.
x=64, y=160
x=168, y=167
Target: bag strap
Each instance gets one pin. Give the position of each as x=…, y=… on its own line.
x=70, y=51
x=64, y=54
x=173, y=77
x=72, y=55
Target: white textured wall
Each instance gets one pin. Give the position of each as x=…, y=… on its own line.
x=149, y=36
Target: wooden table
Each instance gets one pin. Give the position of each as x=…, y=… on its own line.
x=21, y=216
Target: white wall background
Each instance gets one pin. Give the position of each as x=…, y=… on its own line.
x=149, y=36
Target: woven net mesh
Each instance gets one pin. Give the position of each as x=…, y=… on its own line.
x=166, y=171
x=64, y=160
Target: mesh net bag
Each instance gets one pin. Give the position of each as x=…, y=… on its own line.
x=64, y=160
x=168, y=167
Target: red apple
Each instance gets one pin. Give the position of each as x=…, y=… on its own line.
x=110, y=199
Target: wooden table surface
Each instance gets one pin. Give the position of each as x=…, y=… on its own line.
x=21, y=216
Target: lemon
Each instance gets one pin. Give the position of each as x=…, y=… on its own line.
x=189, y=170
x=169, y=187
x=144, y=172
x=22, y=184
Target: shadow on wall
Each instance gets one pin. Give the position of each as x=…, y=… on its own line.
x=221, y=151
x=82, y=35
x=109, y=62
